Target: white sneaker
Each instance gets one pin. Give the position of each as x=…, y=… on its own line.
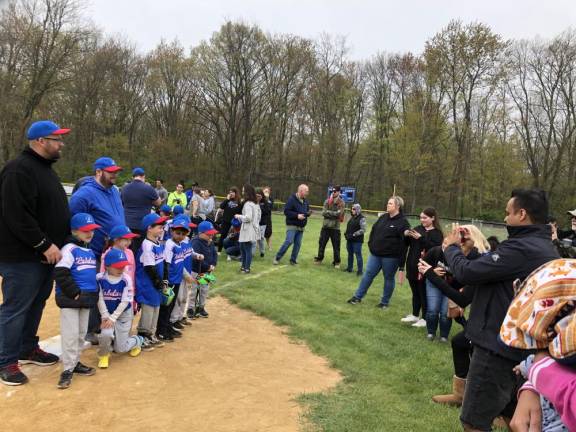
x=229, y=258
x=275, y=262
x=409, y=319
x=420, y=323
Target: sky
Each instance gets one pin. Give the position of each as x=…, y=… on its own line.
x=369, y=26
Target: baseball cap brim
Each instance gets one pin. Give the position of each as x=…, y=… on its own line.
x=120, y=264
x=89, y=227
x=193, y=225
x=212, y=231
x=130, y=236
x=571, y=212
x=62, y=131
x=161, y=220
x=112, y=169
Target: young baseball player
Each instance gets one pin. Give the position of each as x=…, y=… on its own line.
x=149, y=272
x=203, y=244
x=115, y=306
x=76, y=293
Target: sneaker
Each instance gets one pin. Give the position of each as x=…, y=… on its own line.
x=354, y=300
x=135, y=352
x=174, y=333
x=184, y=321
x=202, y=313
x=83, y=370
x=103, y=361
x=317, y=261
x=147, y=344
x=409, y=319
x=246, y=271
x=261, y=254
x=293, y=262
x=420, y=323
x=92, y=338
x=359, y=273
x=165, y=337
x=228, y=258
x=12, y=375
x=443, y=340
x=275, y=262
x=430, y=337
x=190, y=313
x=337, y=266
x=177, y=325
x=348, y=270
x=39, y=358
x=382, y=306
x=65, y=379
x=156, y=343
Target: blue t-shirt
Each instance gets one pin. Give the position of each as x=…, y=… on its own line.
x=175, y=255
x=82, y=264
x=116, y=291
x=138, y=198
x=149, y=254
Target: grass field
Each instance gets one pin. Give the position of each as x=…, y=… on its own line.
x=390, y=370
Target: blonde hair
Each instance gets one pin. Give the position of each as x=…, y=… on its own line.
x=478, y=238
x=398, y=200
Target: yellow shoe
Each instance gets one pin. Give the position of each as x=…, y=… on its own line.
x=103, y=361
x=135, y=352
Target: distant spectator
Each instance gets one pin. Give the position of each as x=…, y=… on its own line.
x=228, y=208
x=333, y=216
x=162, y=192
x=178, y=197
x=297, y=212
x=268, y=220
x=354, y=235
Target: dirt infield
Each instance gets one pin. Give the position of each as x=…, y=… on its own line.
x=232, y=372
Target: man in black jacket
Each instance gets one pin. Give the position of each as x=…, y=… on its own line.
x=491, y=386
x=34, y=222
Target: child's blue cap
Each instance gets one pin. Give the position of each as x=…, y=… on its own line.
x=83, y=222
x=116, y=258
x=206, y=227
x=166, y=209
x=177, y=209
x=122, y=231
x=181, y=222
x=152, y=219
x=236, y=222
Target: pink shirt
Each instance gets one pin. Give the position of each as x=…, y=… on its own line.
x=129, y=270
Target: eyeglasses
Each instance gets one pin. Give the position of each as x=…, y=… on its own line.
x=54, y=139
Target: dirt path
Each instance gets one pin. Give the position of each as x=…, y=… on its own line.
x=232, y=372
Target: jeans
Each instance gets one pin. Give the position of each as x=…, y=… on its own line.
x=25, y=288
x=334, y=236
x=437, y=304
x=246, y=252
x=388, y=265
x=232, y=247
x=354, y=248
x=292, y=237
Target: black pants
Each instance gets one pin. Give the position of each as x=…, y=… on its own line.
x=224, y=228
x=137, y=241
x=418, y=288
x=334, y=236
x=461, y=353
x=166, y=311
x=94, y=318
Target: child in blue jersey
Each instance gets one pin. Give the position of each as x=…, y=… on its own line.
x=166, y=211
x=174, y=273
x=202, y=245
x=116, y=293
x=149, y=272
x=76, y=294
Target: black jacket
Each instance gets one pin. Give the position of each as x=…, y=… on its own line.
x=265, y=211
x=293, y=208
x=33, y=208
x=419, y=247
x=493, y=275
x=353, y=226
x=69, y=289
x=387, y=237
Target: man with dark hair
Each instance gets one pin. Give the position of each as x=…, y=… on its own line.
x=333, y=213
x=491, y=387
x=162, y=192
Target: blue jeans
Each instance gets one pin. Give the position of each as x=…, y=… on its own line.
x=354, y=248
x=437, y=311
x=232, y=247
x=25, y=288
x=389, y=266
x=246, y=253
x=292, y=237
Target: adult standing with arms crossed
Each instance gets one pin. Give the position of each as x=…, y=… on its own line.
x=34, y=222
x=297, y=211
x=333, y=213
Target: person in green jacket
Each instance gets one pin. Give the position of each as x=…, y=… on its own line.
x=333, y=213
x=178, y=197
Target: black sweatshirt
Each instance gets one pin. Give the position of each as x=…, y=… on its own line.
x=230, y=208
x=387, y=237
x=429, y=239
x=34, y=210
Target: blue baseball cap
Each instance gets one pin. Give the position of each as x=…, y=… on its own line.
x=181, y=222
x=116, y=258
x=206, y=227
x=106, y=164
x=122, y=231
x=83, y=222
x=138, y=172
x=236, y=222
x=44, y=128
x=166, y=208
x=152, y=219
x=177, y=209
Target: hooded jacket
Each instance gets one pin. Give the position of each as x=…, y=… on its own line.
x=105, y=206
x=294, y=206
x=493, y=275
x=387, y=237
x=333, y=213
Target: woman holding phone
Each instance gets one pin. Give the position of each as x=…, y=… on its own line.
x=420, y=240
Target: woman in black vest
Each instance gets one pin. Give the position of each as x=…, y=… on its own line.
x=420, y=240
x=354, y=236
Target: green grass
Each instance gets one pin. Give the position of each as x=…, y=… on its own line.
x=390, y=370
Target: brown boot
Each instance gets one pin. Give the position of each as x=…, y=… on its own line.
x=458, y=386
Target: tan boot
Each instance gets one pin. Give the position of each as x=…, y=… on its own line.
x=458, y=386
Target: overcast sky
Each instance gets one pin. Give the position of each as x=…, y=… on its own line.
x=369, y=26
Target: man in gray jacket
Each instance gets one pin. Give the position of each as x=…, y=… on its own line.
x=333, y=213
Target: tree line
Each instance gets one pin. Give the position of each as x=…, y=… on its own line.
x=456, y=127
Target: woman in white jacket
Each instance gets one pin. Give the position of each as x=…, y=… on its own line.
x=250, y=229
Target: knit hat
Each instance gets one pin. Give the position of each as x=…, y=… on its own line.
x=357, y=207
x=542, y=315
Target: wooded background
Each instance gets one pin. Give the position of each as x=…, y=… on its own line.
x=456, y=127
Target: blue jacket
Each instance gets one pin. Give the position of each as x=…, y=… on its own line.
x=293, y=208
x=210, y=256
x=104, y=205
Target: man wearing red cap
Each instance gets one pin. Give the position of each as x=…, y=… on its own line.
x=34, y=222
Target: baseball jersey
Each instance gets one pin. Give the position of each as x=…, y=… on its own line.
x=82, y=264
x=175, y=255
x=115, y=290
x=149, y=254
x=187, y=245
